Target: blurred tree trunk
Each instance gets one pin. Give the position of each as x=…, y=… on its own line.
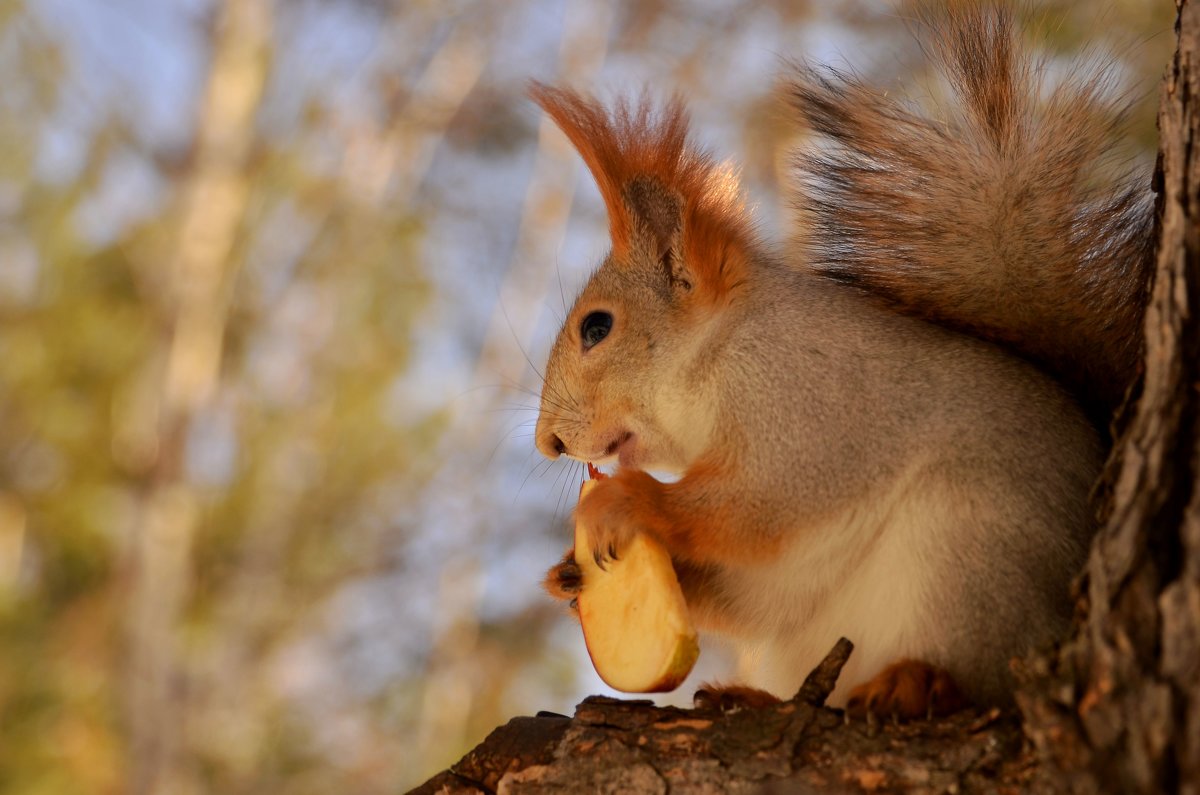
x=213, y=200
x=1117, y=709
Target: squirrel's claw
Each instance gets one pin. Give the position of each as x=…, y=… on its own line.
x=610, y=519
x=604, y=554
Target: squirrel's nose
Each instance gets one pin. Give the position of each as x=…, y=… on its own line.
x=550, y=445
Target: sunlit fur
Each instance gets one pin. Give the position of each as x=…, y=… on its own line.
x=845, y=469
x=634, y=141
x=909, y=207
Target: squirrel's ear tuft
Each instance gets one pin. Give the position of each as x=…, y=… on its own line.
x=655, y=183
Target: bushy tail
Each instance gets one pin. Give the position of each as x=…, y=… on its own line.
x=1000, y=215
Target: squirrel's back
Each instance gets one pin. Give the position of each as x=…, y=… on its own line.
x=1003, y=215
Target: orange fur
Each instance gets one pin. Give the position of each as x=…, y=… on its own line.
x=633, y=142
x=689, y=525
x=907, y=689
x=713, y=695
x=564, y=580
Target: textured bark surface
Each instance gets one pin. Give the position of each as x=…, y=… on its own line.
x=631, y=746
x=1121, y=705
x=612, y=745
x=1117, y=709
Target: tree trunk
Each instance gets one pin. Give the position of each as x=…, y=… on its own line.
x=1117, y=709
x=1122, y=705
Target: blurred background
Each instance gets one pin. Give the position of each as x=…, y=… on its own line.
x=276, y=279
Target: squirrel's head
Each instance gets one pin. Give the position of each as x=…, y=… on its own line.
x=629, y=377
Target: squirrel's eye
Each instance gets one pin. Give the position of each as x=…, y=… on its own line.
x=594, y=328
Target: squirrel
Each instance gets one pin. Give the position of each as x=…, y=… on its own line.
x=889, y=427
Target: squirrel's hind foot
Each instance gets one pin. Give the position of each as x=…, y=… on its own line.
x=906, y=690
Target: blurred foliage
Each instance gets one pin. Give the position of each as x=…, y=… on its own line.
x=343, y=616
x=297, y=459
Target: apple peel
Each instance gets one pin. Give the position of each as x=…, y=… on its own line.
x=635, y=621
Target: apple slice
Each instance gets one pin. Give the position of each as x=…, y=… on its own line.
x=635, y=621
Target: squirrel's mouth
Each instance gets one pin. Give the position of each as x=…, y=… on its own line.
x=624, y=447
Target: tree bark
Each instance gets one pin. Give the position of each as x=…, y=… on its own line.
x=612, y=745
x=1121, y=705
x=1116, y=709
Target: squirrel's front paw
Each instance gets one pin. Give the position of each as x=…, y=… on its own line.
x=565, y=579
x=608, y=513
x=731, y=698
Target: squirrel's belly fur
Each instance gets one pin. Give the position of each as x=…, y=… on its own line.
x=856, y=576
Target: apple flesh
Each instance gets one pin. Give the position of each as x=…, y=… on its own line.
x=635, y=620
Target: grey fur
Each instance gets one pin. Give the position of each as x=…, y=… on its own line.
x=853, y=435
